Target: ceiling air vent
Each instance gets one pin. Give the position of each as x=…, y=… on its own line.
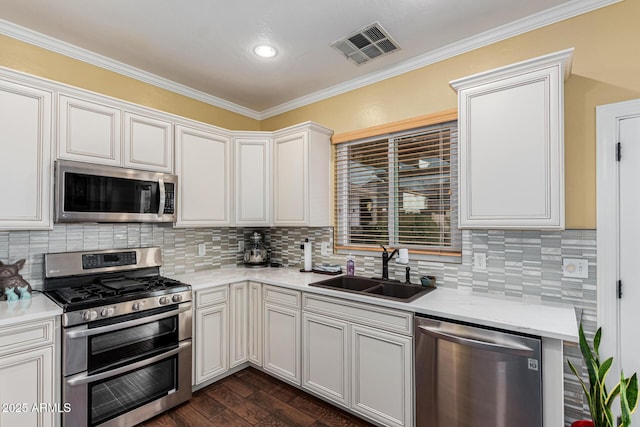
x=365, y=44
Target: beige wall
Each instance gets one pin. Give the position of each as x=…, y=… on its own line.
x=606, y=69
x=43, y=63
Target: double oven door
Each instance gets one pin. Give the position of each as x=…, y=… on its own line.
x=122, y=371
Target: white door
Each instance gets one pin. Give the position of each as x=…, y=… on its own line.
x=618, y=230
x=629, y=133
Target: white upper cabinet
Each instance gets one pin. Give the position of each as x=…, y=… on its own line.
x=204, y=168
x=25, y=163
x=252, y=178
x=148, y=142
x=511, y=145
x=91, y=130
x=302, y=176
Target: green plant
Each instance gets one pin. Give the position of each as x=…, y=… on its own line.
x=599, y=400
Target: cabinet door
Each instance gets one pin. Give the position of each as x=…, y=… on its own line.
x=26, y=380
x=238, y=323
x=253, y=181
x=290, y=179
x=203, y=166
x=282, y=342
x=89, y=131
x=211, y=338
x=25, y=165
x=255, y=323
x=148, y=143
x=381, y=377
x=325, y=357
x=511, y=147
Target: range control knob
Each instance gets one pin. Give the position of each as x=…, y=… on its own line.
x=106, y=312
x=177, y=298
x=135, y=306
x=89, y=315
x=164, y=300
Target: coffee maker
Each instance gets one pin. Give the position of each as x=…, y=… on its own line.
x=257, y=255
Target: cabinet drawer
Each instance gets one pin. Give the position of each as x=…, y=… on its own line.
x=26, y=335
x=212, y=296
x=370, y=315
x=282, y=296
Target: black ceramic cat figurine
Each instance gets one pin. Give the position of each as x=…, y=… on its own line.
x=12, y=283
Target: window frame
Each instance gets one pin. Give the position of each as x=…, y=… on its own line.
x=389, y=131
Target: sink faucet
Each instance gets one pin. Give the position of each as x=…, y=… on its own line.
x=385, y=261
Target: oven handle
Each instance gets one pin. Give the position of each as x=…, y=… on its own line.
x=84, y=378
x=141, y=321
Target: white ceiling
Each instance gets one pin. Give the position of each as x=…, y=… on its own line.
x=207, y=45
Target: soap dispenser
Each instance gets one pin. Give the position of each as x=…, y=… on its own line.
x=351, y=266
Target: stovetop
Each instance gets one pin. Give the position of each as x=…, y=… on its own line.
x=111, y=290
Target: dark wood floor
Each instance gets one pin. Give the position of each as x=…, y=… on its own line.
x=252, y=398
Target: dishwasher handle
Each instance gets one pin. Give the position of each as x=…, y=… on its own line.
x=513, y=347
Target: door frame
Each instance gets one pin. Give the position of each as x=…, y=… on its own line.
x=608, y=224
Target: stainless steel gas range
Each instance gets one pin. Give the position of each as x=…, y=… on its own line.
x=126, y=335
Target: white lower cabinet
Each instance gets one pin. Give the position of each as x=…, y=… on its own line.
x=255, y=323
x=325, y=357
x=282, y=333
x=211, y=328
x=238, y=323
x=366, y=369
x=27, y=375
x=381, y=377
x=358, y=356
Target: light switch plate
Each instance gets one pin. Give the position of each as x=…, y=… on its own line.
x=575, y=267
x=202, y=248
x=324, y=249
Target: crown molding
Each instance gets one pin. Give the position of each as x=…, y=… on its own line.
x=32, y=37
x=521, y=26
x=548, y=17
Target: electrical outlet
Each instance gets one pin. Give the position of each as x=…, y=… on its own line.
x=479, y=261
x=575, y=267
x=241, y=246
x=324, y=249
x=202, y=249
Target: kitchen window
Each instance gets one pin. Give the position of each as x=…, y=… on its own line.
x=399, y=189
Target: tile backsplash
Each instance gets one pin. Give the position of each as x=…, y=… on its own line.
x=522, y=264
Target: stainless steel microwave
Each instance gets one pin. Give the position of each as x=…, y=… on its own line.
x=86, y=192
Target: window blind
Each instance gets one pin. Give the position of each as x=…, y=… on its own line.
x=399, y=190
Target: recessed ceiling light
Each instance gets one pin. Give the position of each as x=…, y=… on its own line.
x=265, y=51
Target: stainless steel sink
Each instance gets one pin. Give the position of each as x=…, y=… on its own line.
x=375, y=287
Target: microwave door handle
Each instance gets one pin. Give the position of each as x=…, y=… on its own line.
x=163, y=196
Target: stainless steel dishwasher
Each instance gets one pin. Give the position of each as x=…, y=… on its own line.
x=468, y=376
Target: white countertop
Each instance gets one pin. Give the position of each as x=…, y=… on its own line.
x=36, y=308
x=557, y=321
